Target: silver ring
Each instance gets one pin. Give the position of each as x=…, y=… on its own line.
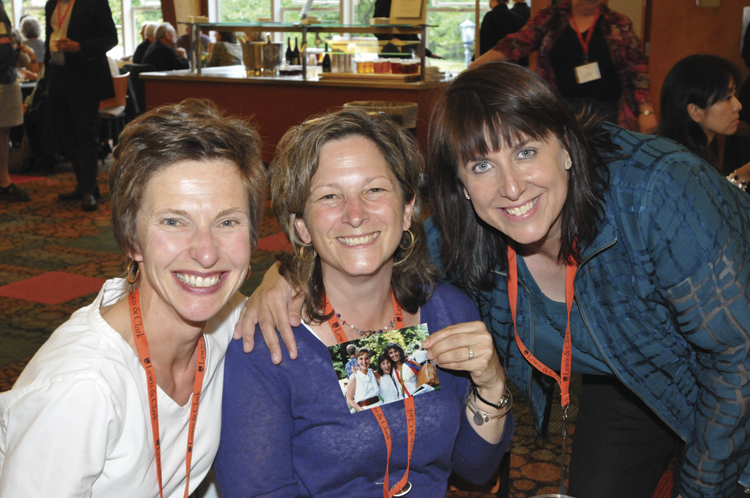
x=471, y=354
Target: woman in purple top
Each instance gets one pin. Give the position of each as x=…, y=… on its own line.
x=344, y=190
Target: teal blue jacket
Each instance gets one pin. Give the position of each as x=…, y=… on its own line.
x=664, y=291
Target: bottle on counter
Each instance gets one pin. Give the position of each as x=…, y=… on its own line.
x=295, y=53
x=326, y=61
x=288, y=54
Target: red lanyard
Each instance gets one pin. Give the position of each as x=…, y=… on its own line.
x=411, y=418
x=141, y=344
x=584, y=44
x=60, y=21
x=566, y=363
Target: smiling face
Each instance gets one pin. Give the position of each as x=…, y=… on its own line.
x=395, y=355
x=363, y=361
x=521, y=190
x=721, y=118
x=193, y=244
x=355, y=215
x=385, y=366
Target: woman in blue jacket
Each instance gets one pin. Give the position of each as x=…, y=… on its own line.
x=657, y=242
x=636, y=246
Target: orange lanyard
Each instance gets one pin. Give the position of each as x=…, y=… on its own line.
x=60, y=21
x=411, y=418
x=141, y=344
x=566, y=364
x=584, y=44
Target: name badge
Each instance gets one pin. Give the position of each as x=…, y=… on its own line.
x=588, y=72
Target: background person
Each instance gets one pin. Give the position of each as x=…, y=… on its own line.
x=79, y=35
x=498, y=23
x=591, y=55
x=344, y=189
x=164, y=54
x=148, y=30
x=226, y=51
x=660, y=241
x=187, y=200
x=699, y=102
x=31, y=29
x=11, y=110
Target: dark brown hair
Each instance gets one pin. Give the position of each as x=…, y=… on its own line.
x=193, y=130
x=290, y=176
x=494, y=107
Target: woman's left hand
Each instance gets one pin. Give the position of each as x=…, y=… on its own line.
x=469, y=347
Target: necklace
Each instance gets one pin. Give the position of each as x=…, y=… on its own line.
x=366, y=332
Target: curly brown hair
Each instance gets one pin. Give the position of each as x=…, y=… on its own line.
x=290, y=176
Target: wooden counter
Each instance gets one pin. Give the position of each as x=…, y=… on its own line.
x=276, y=104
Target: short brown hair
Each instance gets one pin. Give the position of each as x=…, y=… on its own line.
x=193, y=130
x=290, y=176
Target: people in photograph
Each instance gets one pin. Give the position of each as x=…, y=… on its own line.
x=344, y=188
x=591, y=55
x=389, y=388
x=104, y=408
x=351, y=365
x=419, y=355
x=405, y=371
x=363, y=390
x=698, y=103
x=535, y=210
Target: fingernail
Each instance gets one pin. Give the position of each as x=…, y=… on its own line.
x=276, y=358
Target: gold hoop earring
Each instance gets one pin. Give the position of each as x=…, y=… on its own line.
x=409, y=248
x=129, y=272
x=249, y=269
x=302, y=254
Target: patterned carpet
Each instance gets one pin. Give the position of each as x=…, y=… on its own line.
x=54, y=257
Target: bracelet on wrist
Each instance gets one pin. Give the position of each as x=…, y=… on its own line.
x=505, y=399
x=480, y=416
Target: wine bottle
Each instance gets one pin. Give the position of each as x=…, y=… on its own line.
x=326, y=61
x=295, y=52
x=288, y=54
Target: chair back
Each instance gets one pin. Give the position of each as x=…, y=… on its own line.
x=135, y=71
x=121, y=92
